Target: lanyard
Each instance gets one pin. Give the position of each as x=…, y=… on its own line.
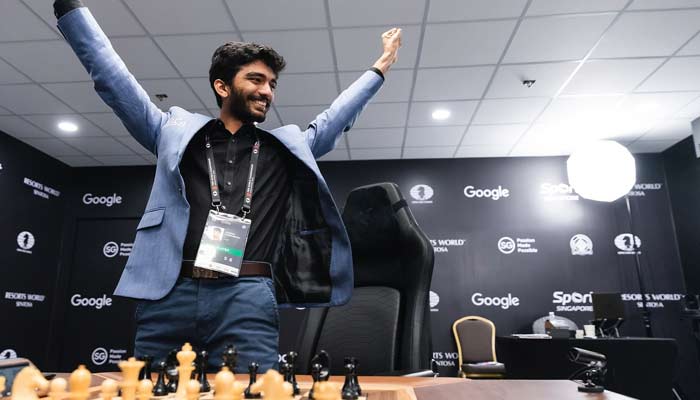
x=213, y=182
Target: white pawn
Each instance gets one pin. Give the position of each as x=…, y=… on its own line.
x=57, y=389
x=226, y=387
x=192, y=389
x=144, y=390
x=108, y=389
x=80, y=381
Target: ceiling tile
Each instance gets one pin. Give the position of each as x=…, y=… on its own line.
x=556, y=38
x=545, y=7
x=434, y=136
x=30, y=99
x=460, y=113
x=677, y=74
x=278, y=14
x=359, y=48
x=4, y=111
x=579, y=109
x=80, y=95
x=673, y=129
x=654, y=106
x=31, y=58
x=335, y=155
x=691, y=111
x=651, y=146
x=203, y=89
x=113, y=16
x=131, y=143
x=507, y=111
x=692, y=48
x=611, y=76
x=465, y=10
x=79, y=161
x=122, y=160
x=656, y=4
x=184, y=16
x=648, y=34
x=478, y=43
x=49, y=123
x=150, y=158
x=19, y=128
x=549, y=78
x=451, y=83
x=192, y=54
x=373, y=138
x=494, y=135
x=143, y=58
x=542, y=150
x=17, y=22
x=396, y=87
x=387, y=153
x=383, y=115
x=179, y=94
x=299, y=115
x=52, y=147
x=428, y=152
x=306, y=89
x=370, y=12
x=99, y=146
x=304, y=51
x=9, y=74
x=108, y=122
x=482, y=151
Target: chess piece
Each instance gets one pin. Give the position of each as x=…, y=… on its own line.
x=80, y=383
x=273, y=386
x=191, y=389
x=253, y=373
x=292, y=378
x=327, y=391
x=26, y=384
x=202, y=360
x=185, y=358
x=108, y=389
x=57, y=389
x=130, y=377
x=171, y=370
x=146, y=370
x=145, y=388
x=316, y=376
x=161, y=389
x=226, y=387
x=230, y=357
x=351, y=388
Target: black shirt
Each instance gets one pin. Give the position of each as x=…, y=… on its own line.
x=232, y=161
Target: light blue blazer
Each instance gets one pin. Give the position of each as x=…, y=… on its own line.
x=314, y=263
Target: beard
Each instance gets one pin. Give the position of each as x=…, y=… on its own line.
x=241, y=107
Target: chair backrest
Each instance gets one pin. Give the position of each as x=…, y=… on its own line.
x=386, y=324
x=476, y=339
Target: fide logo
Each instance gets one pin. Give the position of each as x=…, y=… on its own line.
x=624, y=242
x=434, y=300
x=7, y=354
x=581, y=245
x=421, y=194
x=506, y=245
x=25, y=241
x=110, y=249
x=99, y=356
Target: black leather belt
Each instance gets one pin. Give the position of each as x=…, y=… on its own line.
x=248, y=268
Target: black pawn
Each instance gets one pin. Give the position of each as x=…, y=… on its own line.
x=292, y=361
x=351, y=389
x=161, y=389
x=253, y=372
x=230, y=357
x=203, y=359
x=316, y=376
x=171, y=370
x=145, y=372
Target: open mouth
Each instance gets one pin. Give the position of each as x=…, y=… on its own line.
x=262, y=104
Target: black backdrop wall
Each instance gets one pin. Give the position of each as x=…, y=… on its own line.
x=502, y=230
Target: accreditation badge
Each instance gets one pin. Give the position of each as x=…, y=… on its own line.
x=223, y=243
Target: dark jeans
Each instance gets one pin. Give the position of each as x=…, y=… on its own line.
x=210, y=314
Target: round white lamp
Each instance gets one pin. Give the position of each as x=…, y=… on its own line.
x=603, y=171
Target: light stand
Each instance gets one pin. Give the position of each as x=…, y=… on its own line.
x=646, y=314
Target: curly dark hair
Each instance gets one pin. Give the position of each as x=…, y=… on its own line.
x=230, y=57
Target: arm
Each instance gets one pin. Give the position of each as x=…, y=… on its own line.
x=113, y=81
x=327, y=128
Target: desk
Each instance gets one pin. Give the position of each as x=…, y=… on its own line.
x=637, y=367
x=411, y=388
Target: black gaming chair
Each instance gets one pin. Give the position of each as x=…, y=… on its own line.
x=386, y=324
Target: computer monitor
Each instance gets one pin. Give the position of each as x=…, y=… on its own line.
x=608, y=306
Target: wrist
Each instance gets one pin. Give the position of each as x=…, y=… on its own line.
x=384, y=62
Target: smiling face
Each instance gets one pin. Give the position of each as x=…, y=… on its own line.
x=252, y=92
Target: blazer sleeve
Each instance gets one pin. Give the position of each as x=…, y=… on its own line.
x=328, y=127
x=113, y=81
